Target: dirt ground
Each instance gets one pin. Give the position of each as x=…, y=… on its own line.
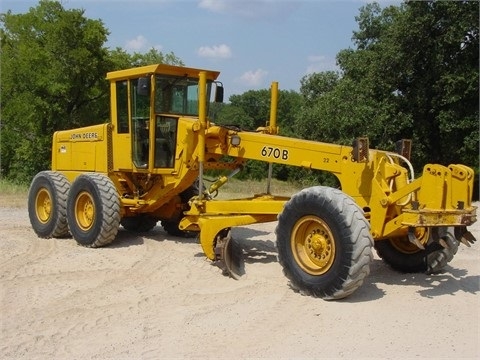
x=156, y=297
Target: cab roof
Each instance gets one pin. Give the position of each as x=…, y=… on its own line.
x=161, y=69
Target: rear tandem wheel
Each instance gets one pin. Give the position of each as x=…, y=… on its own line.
x=93, y=210
x=47, y=204
x=324, y=243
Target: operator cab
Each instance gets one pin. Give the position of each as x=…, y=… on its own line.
x=147, y=103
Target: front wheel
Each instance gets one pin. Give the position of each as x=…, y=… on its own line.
x=93, y=210
x=324, y=243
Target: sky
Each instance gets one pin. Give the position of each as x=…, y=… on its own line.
x=251, y=42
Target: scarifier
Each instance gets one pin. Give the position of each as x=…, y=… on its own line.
x=148, y=163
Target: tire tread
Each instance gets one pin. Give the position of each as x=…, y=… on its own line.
x=60, y=186
x=110, y=219
x=358, y=246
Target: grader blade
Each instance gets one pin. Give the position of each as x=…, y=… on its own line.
x=229, y=255
x=464, y=236
x=467, y=238
x=443, y=243
x=413, y=239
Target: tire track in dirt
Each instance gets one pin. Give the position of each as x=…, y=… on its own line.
x=154, y=296
x=258, y=289
x=16, y=245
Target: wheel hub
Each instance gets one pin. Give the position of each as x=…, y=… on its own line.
x=43, y=205
x=318, y=246
x=85, y=211
x=88, y=212
x=312, y=245
x=317, y=243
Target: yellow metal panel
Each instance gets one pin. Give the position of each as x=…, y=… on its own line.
x=122, y=154
x=61, y=154
x=282, y=150
x=160, y=69
x=83, y=157
x=259, y=205
x=210, y=226
x=83, y=149
x=432, y=193
x=440, y=217
x=461, y=189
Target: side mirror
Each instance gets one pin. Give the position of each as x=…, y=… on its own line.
x=219, y=92
x=143, y=86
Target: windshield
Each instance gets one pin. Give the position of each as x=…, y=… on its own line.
x=177, y=95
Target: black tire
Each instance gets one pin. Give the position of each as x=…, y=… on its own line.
x=47, y=204
x=324, y=243
x=171, y=226
x=438, y=259
x=403, y=256
x=139, y=224
x=93, y=210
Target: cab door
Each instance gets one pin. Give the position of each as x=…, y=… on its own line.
x=120, y=118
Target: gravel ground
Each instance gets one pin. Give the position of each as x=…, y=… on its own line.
x=156, y=297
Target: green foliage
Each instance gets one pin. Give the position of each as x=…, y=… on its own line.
x=235, y=188
x=306, y=178
x=13, y=194
x=414, y=74
x=314, y=86
x=230, y=115
x=121, y=59
x=255, y=104
x=440, y=83
x=250, y=111
x=53, y=67
x=289, y=103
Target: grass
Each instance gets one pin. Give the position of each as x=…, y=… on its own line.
x=13, y=195
x=245, y=188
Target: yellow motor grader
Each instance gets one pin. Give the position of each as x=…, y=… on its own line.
x=148, y=164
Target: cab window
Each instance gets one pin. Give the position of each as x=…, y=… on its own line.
x=165, y=141
x=122, y=106
x=140, y=118
x=177, y=95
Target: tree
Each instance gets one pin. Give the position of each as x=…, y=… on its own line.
x=123, y=60
x=230, y=115
x=289, y=103
x=414, y=74
x=53, y=69
x=251, y=110
x=255, y=104
x=255, y=109
x=439, y=84
x=315, y=85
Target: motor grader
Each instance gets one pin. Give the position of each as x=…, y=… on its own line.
x=147, y=164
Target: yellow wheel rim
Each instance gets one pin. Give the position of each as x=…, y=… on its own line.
x=43, y=205
x=313, y=245
x=403, y=244
x=85, y=211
